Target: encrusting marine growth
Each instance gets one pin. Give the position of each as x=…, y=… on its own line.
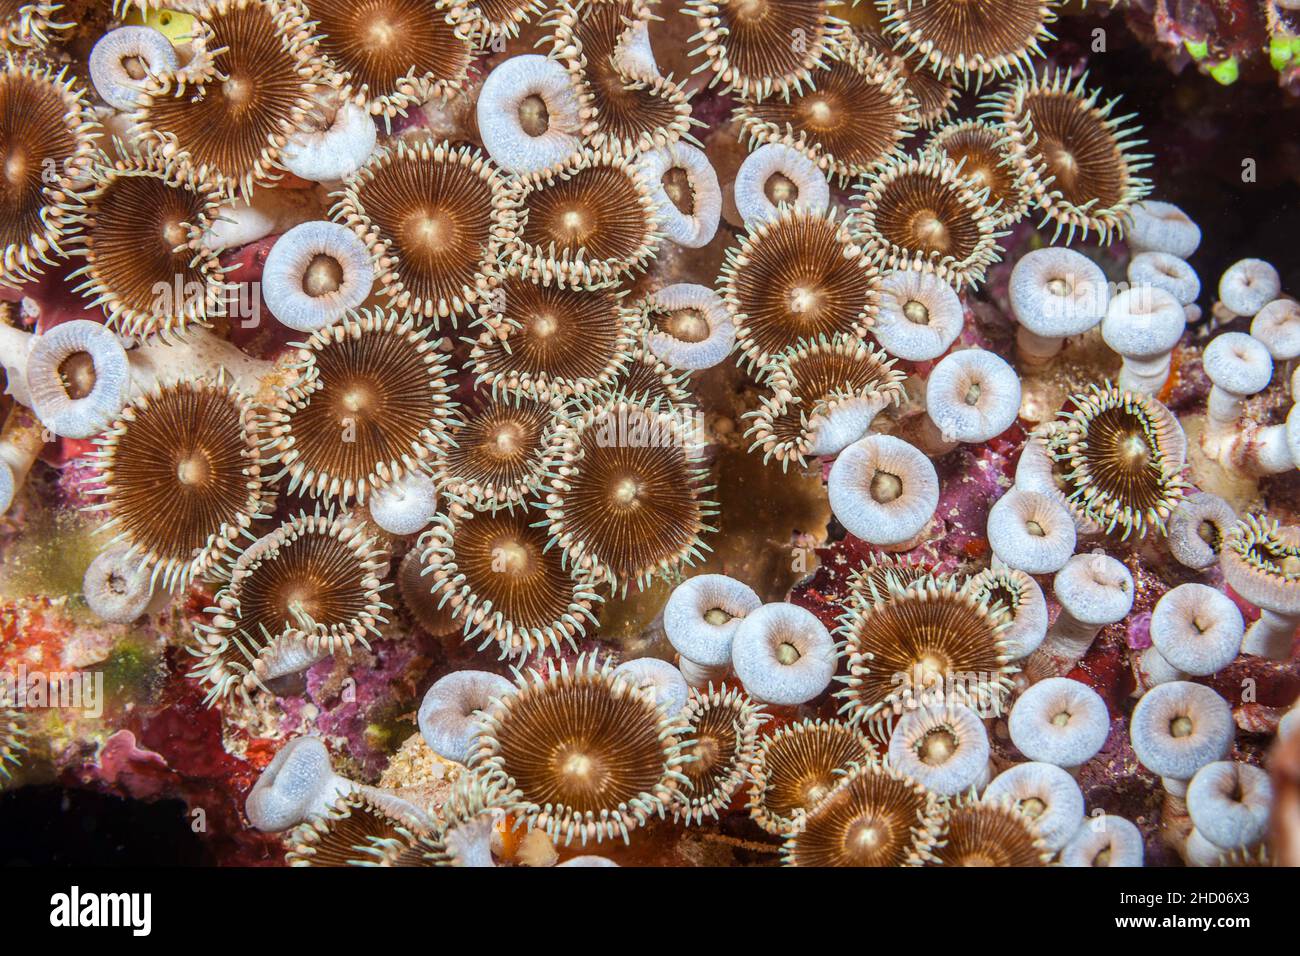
x=598, y=432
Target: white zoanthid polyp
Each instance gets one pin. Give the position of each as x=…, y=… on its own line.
x=15, y=346
x=1268, y=449
x=1103, y=841
x=449, y=713
x=919, y=317
x=78, y=378
x=298, y=784
x=406, y=505
x=122, y=61
x=1094, y=590
x=268, y=211
x=1239, y=366
x=688, y=326
x=971, y=396
x=21, y=441
x=700, y=621
x=774, y=175
x=883, y=490
x=1229, y=803
x=290, y=653
x=1162, y=227
x=685, y=188
x=118, y=587
x=81, y=367
x=1037, y=469
x=783, y=654
x=1045, y=793
x=664, y=683
x=1179, y=727
x=315, y=274
x=1059, y=721
x=202, y=354
x=528, y=114
x=1163, y=271
x=634, y=56
x=588, y=860
x=944, y=748
x=1030, y=531
x=338, y=138
x=1196, y=630
x=1277, y=325
x=1055, y=293
x=1143, y=324
x=1197, y=528
x=1248, y=285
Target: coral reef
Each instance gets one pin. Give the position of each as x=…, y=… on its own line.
x=656, y=432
